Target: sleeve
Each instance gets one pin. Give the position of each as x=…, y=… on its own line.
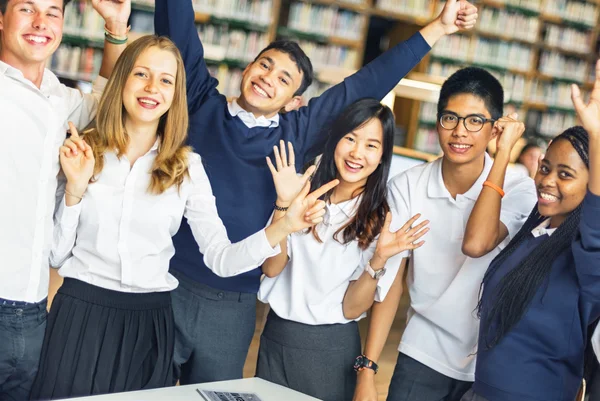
x=375, y=80
x=83, y=107
x=220, y=255
x=176, y=19
x=586, y=252
x=66, y=220
x=517, y=205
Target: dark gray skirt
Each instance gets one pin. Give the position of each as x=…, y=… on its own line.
x=100, y=341
x=314, y=360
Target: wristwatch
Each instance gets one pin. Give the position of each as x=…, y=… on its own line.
x=362, y=362
x=376, y=274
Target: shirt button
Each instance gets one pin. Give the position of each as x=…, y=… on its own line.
x=220, y=295
x=19, y=312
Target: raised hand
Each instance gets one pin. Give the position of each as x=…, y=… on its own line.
x=77, y=162
x=510, y=130
x=115, y=13
x=589, y=114
x=296, y=216
x=288, y=183
x=390, y=244
x=458, y=15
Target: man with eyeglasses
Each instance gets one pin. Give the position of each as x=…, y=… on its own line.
x=438, y=347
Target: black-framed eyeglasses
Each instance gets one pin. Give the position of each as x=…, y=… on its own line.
x=472, y=122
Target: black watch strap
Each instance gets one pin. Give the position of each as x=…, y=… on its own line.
x=362, y=362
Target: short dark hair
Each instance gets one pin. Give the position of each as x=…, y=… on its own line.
x=298, y=56
x=477, y=82
x=4, y=3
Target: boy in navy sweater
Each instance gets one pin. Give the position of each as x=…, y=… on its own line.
x=215, y=317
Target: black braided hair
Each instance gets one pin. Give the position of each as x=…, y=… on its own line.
x=516, y=290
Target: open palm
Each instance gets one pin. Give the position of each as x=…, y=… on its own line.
x=288, y=183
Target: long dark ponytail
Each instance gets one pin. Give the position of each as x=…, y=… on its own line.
x=516, y=290
x=369, y=218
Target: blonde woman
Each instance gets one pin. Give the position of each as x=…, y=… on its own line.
x=128, y=185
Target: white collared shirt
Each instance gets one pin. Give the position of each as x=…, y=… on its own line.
x=248, y=118
x=34, y=124
x=542, y=229
x=119, y=236
x=444, y=284
x=311, y=287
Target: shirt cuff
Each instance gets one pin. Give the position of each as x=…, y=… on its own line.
x=260, y=249
x=68, y=216
x=99, y=84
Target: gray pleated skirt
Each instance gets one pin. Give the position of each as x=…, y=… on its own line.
x=314, y=360
x=100, y=341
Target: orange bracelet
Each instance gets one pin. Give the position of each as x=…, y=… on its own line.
x=494, y=187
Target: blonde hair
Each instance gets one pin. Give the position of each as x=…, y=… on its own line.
x=171, y=164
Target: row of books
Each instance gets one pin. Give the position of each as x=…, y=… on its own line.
x=325, y=56
x=509, y=24
x=568, y=38
x=75, y=62
x=80, y=19
x=552, y=124
x=237, y=44
x=417, y=8
x=427, y=140
x=572, y=10
x=554, y=94
x=486, y=52
x=558, y=65
x=325, y=20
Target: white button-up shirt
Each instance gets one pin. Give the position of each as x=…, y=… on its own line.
x=443, y=283
x=34, y=124
x=119, y=236
x=248, y=118
x=311, y=287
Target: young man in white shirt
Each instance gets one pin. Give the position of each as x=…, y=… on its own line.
x=34, y=110
x=437, y=350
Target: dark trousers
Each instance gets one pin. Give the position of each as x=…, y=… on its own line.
x=21, y=336
x=213, y=331
x=413, y=381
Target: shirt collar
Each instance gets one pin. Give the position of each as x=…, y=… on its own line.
x=249, y=119
x=347, y=207
x=437, y=189
x=543, y=229
x=49, y=80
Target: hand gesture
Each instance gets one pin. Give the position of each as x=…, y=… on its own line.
x=77, y=161
x=306, y=210
x=589, y=114
x=288, y=184
x=458, y=15
x=390, y=244
x=115, y=13
x=365, y=387
x=509, y=130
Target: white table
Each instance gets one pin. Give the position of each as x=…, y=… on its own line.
x=267, y=391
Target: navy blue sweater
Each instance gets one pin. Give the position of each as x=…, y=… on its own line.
x=234, y=155
x=541, y=358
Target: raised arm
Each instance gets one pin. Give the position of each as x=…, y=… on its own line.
x=485, y=231
x=586, y=249
x=176, y=19
x=380, y=76
x=220, y=255
x=361, y=293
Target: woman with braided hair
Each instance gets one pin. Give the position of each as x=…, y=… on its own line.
x=542, y=291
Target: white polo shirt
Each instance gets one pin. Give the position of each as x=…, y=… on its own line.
x=443, y=283
x=311, y=287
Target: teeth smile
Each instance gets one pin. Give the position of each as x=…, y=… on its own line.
x=147, y=101
x=260, y=91
x=353, y=165
x=36, y=39
x=460, y=146
x=548, y=197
